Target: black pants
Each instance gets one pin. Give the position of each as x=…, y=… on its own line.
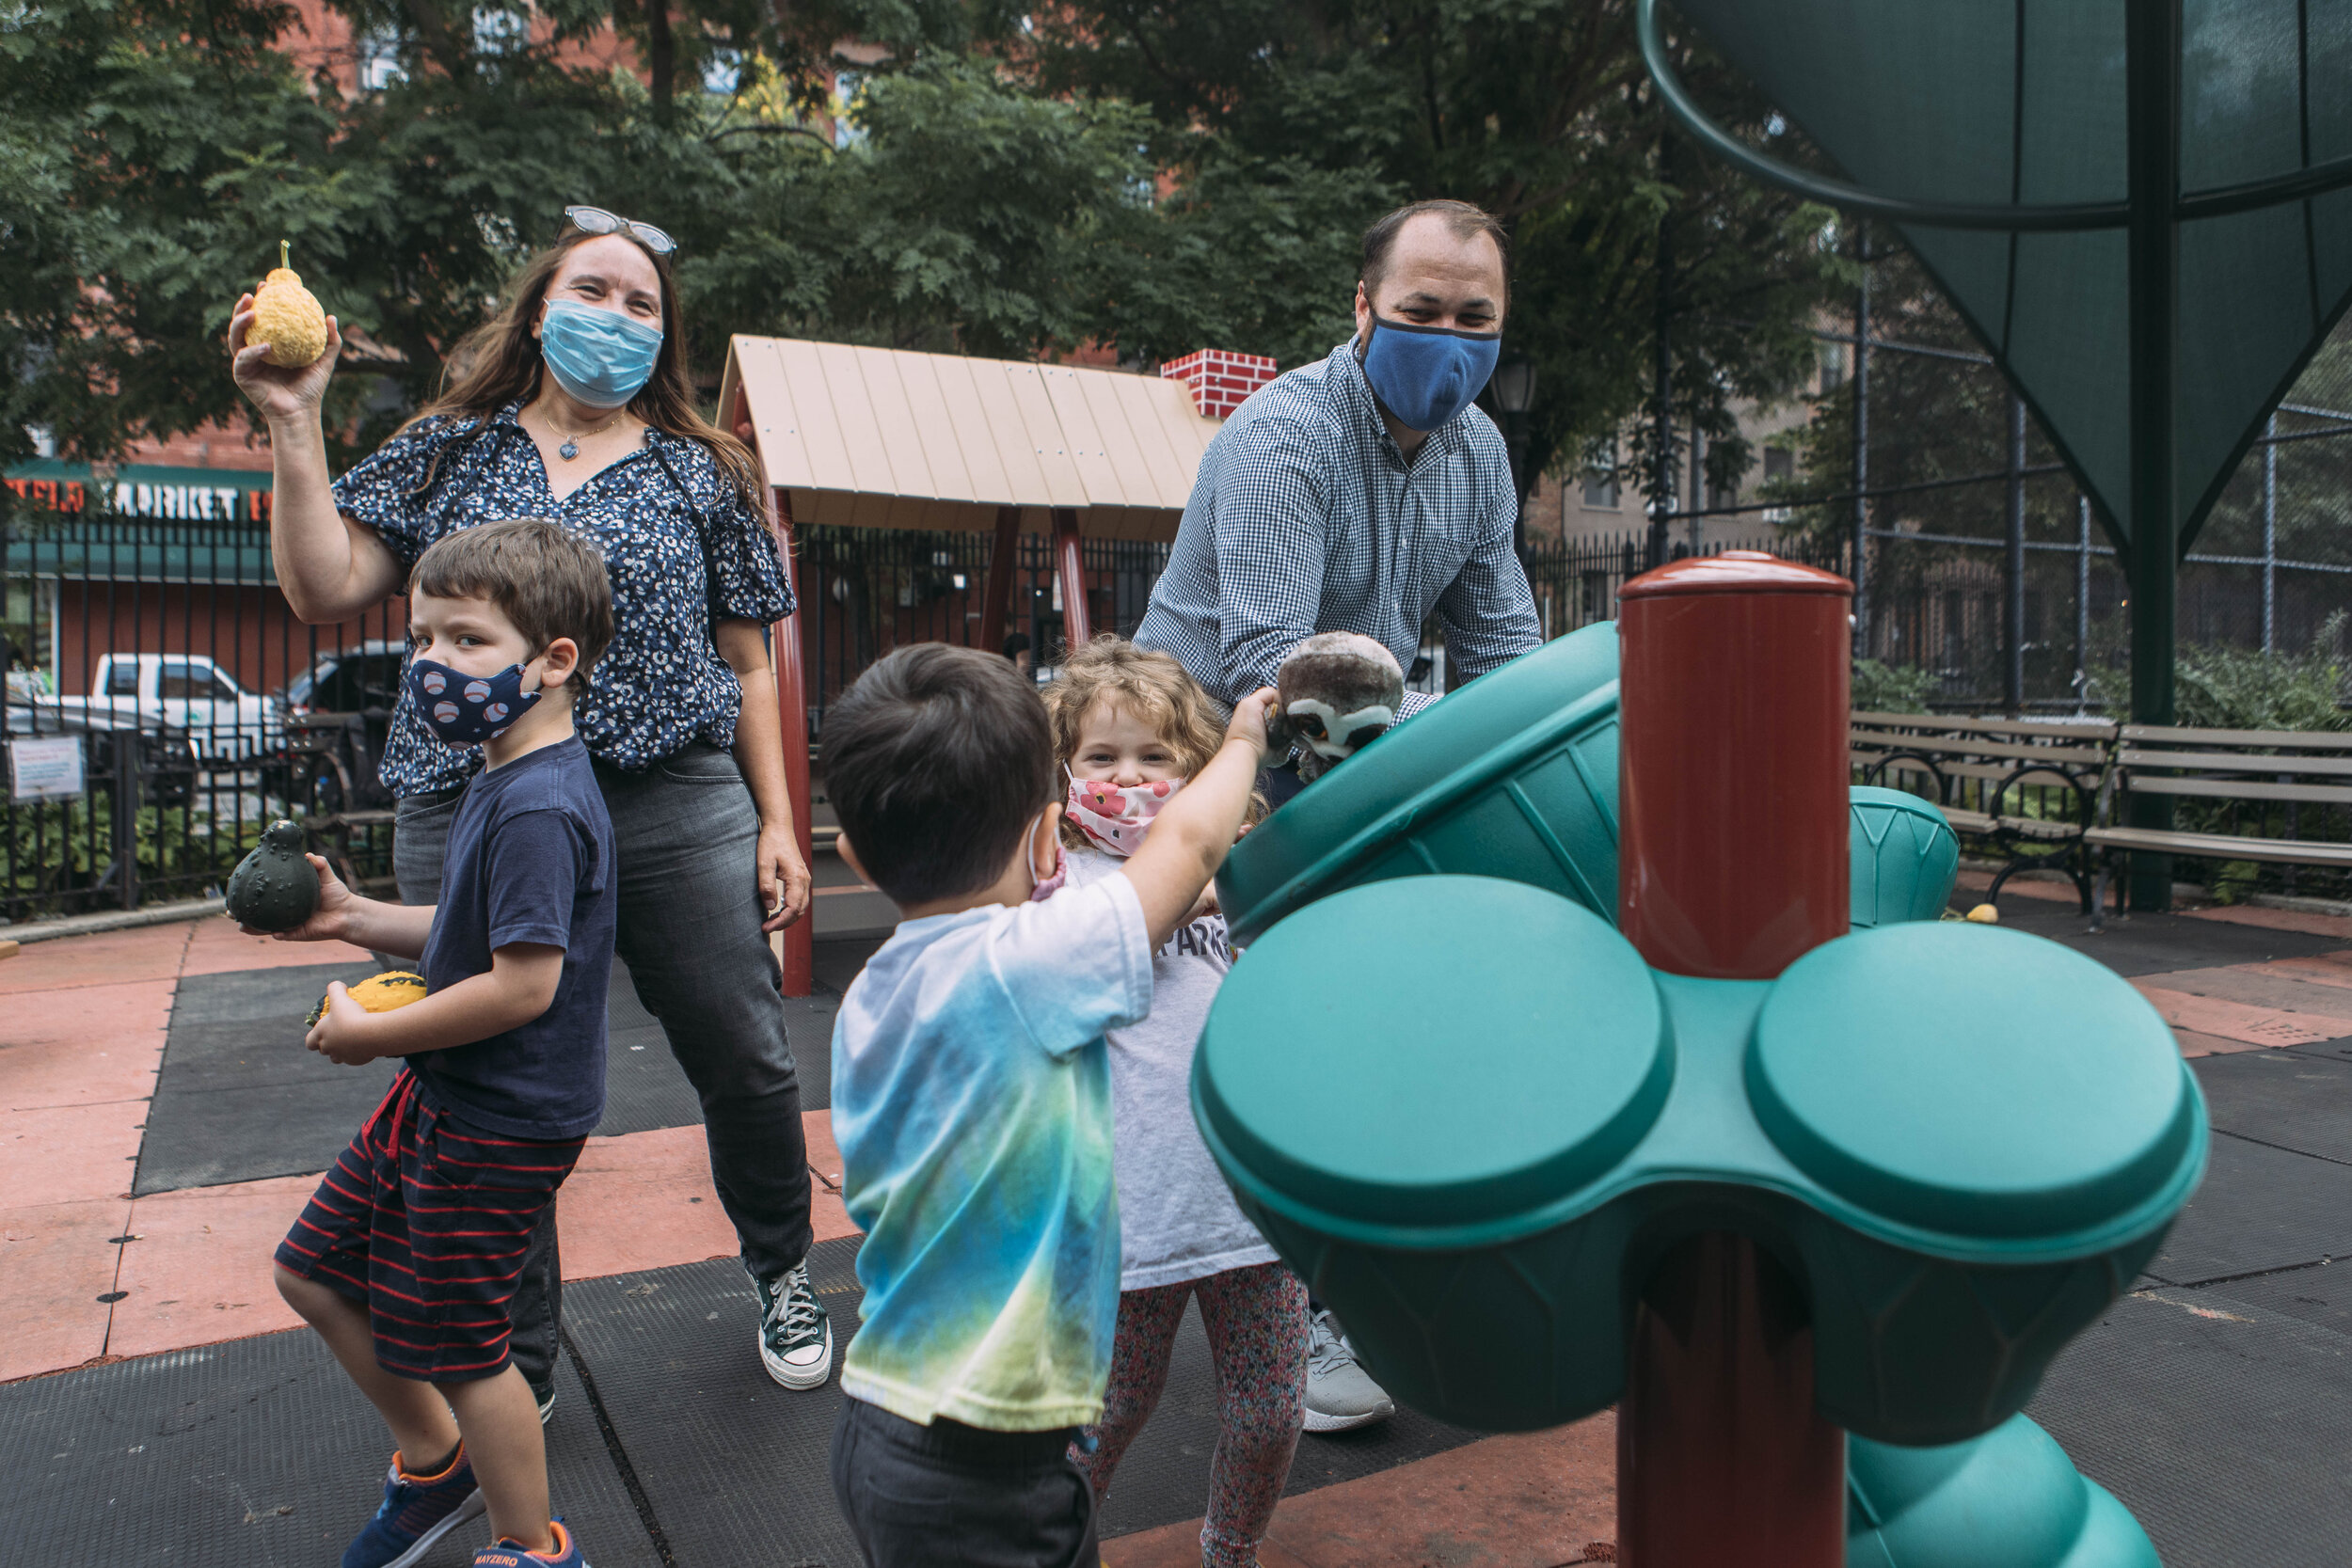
x=684, y=835
x=917, y=1495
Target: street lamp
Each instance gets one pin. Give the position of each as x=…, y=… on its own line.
x=1514, y=392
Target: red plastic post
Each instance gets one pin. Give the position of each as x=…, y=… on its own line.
x=1000, y=568
x=799, y=938
x=1732, y=863
x=1070, y=561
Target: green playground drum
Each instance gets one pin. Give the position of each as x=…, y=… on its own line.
x=1904, y=856
x=1471, y=1118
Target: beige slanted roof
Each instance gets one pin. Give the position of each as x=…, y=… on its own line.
x=874, y=437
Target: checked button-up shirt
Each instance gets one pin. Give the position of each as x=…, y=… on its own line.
x=1306, y=517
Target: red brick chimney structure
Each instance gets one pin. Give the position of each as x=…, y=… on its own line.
x=1219, y=379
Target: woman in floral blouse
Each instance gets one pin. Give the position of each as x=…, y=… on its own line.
x=574, y=405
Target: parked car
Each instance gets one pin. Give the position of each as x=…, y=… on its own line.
x=338, y=714
x=224, y=723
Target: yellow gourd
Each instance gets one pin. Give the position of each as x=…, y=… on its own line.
x=380, y=993
x=288, y=317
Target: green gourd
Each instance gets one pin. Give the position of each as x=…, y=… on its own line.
x=274, y=888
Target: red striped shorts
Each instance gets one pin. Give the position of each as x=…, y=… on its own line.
x=425, y=1223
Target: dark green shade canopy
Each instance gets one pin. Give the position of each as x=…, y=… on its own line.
x=1998, y=133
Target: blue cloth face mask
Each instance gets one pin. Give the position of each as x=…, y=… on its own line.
x=601, y=357
x=467, y=711
x=1424, y=375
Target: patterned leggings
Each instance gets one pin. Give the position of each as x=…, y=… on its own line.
x=1257, y=1322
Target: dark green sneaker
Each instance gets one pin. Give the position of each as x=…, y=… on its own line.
x=795, y=1335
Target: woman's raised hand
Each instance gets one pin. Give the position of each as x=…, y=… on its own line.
x=278, y=393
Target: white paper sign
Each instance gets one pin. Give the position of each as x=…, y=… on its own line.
x=45, y=769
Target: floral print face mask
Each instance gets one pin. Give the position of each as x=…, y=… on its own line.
x=1114, y=816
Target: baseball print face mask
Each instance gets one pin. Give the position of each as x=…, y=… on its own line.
x=467, y=711
x=1114, y=816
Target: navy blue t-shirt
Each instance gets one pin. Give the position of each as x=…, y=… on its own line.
x=530, y=860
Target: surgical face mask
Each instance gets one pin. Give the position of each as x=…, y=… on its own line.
x=601, y=357
x=1114, y=817
x=467, y=711
x=1424, y=375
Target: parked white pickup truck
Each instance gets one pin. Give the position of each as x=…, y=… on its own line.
x=224, y=723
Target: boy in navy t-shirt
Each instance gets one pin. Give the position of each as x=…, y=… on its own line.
x=407, y=1255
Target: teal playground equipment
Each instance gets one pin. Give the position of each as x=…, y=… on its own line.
x=1590, y=1051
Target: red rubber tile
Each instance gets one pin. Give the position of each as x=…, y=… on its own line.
x=104, y=958
x=57, y=1259
x=2194, y=1044
x=2277, y=920
x=216, y=947
x=68, y=1154
x=2024, y=887
x=2267, y=985
x=2235, y=1021
x=644, y=1201
x=2333, y=970
x=1522, y=1501
x=85, y=1045
x=199, y=1271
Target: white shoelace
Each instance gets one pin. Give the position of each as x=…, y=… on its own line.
x=794, y=1309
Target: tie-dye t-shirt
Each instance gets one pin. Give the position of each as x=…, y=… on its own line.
x=971, y=1102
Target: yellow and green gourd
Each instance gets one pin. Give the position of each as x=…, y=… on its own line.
x=381, y=993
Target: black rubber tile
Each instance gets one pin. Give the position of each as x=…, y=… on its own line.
x=238, y=1097
x=250, y=1452
x=748, y=1473
x=2320, y=1294
x=2260, y=1207
x=2221, y=1425
x=2154, y=943
x=2290, y=1099
x=734, y=1469
x=838, y=961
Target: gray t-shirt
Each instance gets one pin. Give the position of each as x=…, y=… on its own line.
x=1177, y=1220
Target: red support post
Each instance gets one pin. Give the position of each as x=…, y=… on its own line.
x=799, y=938
x=1069, y=562
x=1001, y=562
x=1732, y=789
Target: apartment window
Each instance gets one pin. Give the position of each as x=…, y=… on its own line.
x=1601, y=478
x=378, y=60
x=498, y=31
x=1780, y=465
x=1832, y=367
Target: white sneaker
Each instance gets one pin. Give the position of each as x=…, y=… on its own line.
x=1339, y=1397
x=795, y=1334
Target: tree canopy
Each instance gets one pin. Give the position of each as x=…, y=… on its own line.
x=1151, y=176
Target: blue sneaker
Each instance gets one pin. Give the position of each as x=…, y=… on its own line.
x=417, y=1512
x=506, y=1554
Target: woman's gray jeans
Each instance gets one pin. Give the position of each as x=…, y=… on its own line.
x=686, y=836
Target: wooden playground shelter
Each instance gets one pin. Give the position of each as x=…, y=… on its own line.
x=889, y=438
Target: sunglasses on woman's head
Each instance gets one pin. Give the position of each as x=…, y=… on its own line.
x=596, y=220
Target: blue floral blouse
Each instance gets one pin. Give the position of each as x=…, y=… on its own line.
x=683, y=550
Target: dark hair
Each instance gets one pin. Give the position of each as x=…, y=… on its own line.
x=1462, y=219
x=499, y=362
x=546, y=580
x=935, y=761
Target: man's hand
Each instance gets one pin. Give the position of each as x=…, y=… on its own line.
x=341, y=1033
x=783, y=879
x=330, y=921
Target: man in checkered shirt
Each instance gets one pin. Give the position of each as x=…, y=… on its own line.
x=1326, y=506
x=1317, y=508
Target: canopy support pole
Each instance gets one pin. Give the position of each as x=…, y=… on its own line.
x=799, y=940
x=1070, y=561
x=2152, y=47
x=1000, y=564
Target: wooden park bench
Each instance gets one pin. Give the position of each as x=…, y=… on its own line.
x=2027, y=792
x=2268, y=776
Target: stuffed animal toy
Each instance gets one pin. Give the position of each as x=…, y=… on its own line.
x=1335, y=693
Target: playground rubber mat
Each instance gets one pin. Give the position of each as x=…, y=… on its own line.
x=2260, y=1207
x=2219, y=1423
x=238, y=1098
x=2157, y=943
x=735, y=1468
x=255, y=1452
x=2285, y=1099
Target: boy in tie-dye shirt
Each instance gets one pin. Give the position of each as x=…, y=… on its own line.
x=971, y=1101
